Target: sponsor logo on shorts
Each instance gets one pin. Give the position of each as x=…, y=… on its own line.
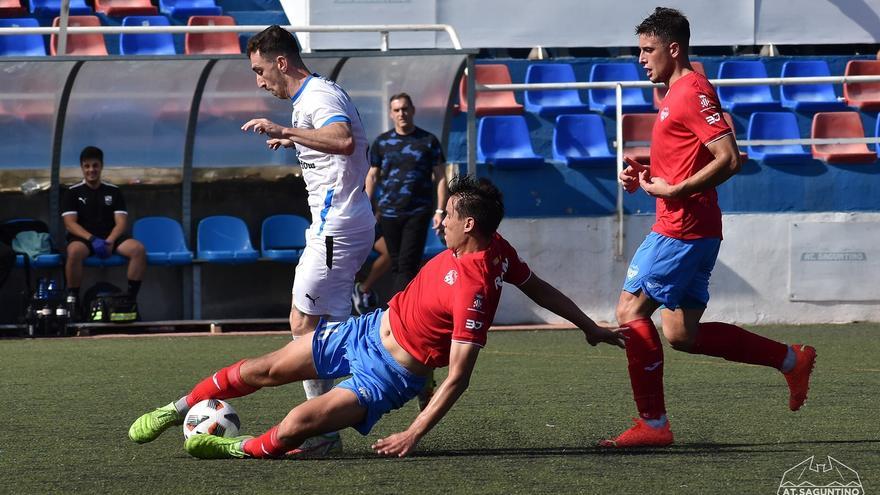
x=364, y=393
x=313, y=299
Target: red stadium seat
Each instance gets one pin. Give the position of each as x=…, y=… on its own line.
x=211, y=43
x=729, y=119
x=490, y=102
x=638, y=127
x=12, y=8
x=840, y=125
x=80, y=44
x=122, y=8
x=864, y=96
x=660, y=91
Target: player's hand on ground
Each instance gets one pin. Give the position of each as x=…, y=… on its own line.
x=396, y=445
x=629, y=176
x=279, y=143
x=608, y=335
x=655, y=186
x=264, y=126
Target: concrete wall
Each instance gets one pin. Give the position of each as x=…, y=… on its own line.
x=750, y=283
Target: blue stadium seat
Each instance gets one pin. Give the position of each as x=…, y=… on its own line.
x=163, y=240
x=603, y=100
x=580, y=141
x=225, y=239
x=503, y=141
x=182, y=9
x=23, y=45
x=745, y=99
x=283, y=237
x=552, y=103
x=809, y=97
x=52, y=8
x=433, y=245
x=146, y=44
x=877, y=135
x=776, y=125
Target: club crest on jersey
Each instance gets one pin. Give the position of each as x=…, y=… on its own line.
x=664, y=113
x=451, y=277
x=108, y=200
x=478, y=302
x=704, y=101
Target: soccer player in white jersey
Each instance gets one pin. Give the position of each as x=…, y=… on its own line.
x=332, y=149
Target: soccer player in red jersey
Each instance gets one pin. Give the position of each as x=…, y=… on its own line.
x=440, y=319
x=692, y=151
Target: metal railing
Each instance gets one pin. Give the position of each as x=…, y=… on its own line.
x=619, y=86
x=384, y=30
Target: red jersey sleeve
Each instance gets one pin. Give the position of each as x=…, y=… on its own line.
x=516, y=271
x=472, y=312
x=702, y=113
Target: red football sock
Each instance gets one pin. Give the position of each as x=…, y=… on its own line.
x=737, y=344
x=265, y=446
x=224, y=384
x=644, y=351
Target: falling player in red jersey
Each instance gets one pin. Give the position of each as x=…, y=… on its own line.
x=692, y=151
x=440, y=319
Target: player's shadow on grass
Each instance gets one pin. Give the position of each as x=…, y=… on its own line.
x=677, y=449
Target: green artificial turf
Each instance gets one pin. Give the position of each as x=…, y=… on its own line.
x=538, y=403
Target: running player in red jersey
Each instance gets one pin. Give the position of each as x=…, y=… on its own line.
x=692, y=151
x=440, y=319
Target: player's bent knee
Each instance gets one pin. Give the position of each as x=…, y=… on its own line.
x=680, y=341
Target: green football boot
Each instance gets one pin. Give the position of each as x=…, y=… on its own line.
x=149, y=426
x=214, y=447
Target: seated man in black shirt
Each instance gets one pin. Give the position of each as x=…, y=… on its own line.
x=96, y=221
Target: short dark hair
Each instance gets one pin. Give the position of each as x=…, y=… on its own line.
x=272, y=41
x=480, y=199
x=91, y=153
x=667, y=24
x=401, y=96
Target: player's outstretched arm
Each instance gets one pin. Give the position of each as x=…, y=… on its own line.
x=335, y=138
x=549, y=297
x=462, y=359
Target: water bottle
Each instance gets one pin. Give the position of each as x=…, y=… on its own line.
x=42, y=298
x=42, y=289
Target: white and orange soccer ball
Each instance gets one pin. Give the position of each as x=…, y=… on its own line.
x=211, y=417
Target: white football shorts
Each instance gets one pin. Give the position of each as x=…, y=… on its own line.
x=324, y=276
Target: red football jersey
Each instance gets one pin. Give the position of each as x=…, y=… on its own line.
x=689, y=119
x=454, y=299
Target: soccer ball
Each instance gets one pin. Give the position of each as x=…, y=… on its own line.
x=212, y=417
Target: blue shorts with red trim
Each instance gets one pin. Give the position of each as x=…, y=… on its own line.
x=673, y=272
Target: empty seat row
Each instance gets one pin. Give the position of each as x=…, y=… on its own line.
x=580, y=140
x=220, y=239
x=93, y=44
x=740, y=99
x=180, y=9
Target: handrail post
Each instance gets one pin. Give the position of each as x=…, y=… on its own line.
x=62, y=28
x=618, y=124
x=471, y=116
x=383, y=41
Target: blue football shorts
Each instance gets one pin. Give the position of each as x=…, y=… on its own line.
x=353, y=347
x=673, y=272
